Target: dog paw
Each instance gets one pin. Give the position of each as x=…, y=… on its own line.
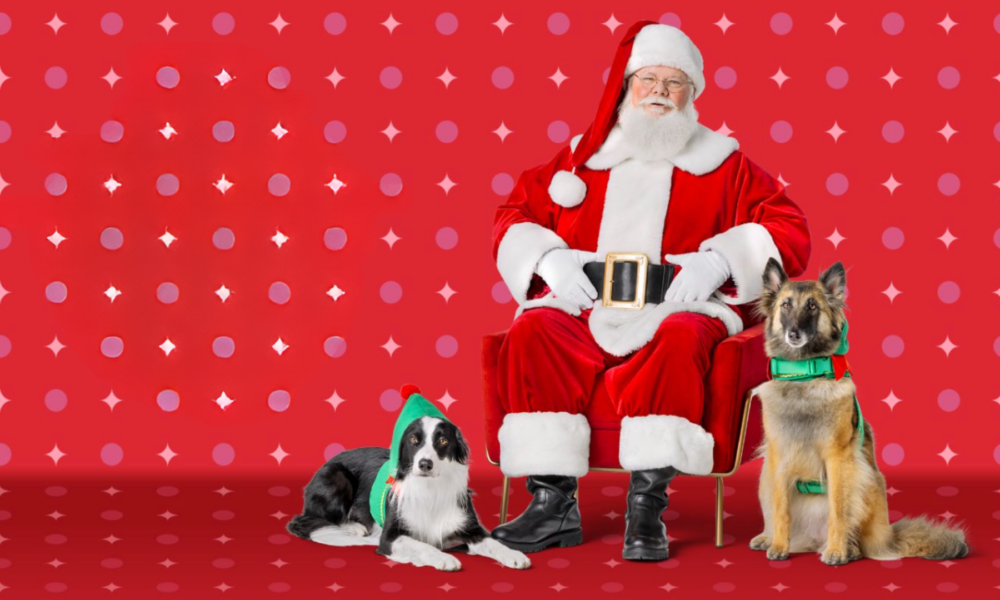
x=354, y=529
x=776, y=553
x=761, y=542
x=447, y=562
x=834, y=558
x=515, y=560
x=854, y=552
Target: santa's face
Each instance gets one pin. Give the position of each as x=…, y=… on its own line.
x=663, y=82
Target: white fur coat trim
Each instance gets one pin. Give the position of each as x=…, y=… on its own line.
x=746, y=248
x=544, y=443
x=523, y=244
x=658, y=441
x=704, y=152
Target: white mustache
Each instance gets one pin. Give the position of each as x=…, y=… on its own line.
x=658, y=100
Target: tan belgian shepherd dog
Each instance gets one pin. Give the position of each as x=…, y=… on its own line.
x=811, y=433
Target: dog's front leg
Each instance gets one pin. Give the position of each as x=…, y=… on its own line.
x=508, y=557
x=781, y=517
x=840, y=474
x=405, y=549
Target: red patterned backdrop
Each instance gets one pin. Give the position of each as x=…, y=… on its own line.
x=230, y=231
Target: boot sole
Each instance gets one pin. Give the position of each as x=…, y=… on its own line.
x=645, y=554
x=562, y=540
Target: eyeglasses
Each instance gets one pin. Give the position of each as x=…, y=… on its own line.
x=673, y=85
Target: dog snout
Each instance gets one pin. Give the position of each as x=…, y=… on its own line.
x=425, y=465
x=794, y=335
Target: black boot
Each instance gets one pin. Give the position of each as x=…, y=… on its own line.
x=552, y=518
x=645, y=533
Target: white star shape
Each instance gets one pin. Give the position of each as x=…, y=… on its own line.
x=55, y=131
x=835, y=238
x=612, y=23
x=892, y=587
x=781, y=587
x=390, y=238
x=335, y=293
x=891, y=184
x=947, y=346
x=612, y=563
x=279, y=516
x=335, y=78
x=502, y=23
x=3, y=185
x=335, y=587
x=167, y=515
x=280, y=563
x=3, y=400
x=391, y=23
x=224, y=491
x=167, y=454
x=223, y=293
x=111, y=400
x=668, y=587
x=168, y=131
x=55, y=345
x=56, y=238
x=446, y=78
x=891, y=292
x=947, y=454
x=446, y=292
x=558, y=587
x=280, y=346
x=502, y=132
x=835, y=131
x=724, y=23
x=279, y=23
x=55, y=515
x=167, y=23
x=111, y=185
x=947, y=238
x=55, y=23
x=835, y=23
x=167, y=238
x=223, y=539
x=335, y=400
x=446, y=587
x=112, y=77
x=112, y=292
x=223, y=185
x=224, y=77
x=947, y=131
x=167, y=563
x=724, y=563
x=947, y=515
x=223, y=587
x=335, y=184
x=447, y=400
x=279, y=454
x=892, y=400
x=947, y=23
x=446, y=184
x=3, y=77
x=111, y=491
x=112, y=587
x=724, y=130
x=891, y=77
x=279, y=238
x=111, y=539
x=892, y=491
x=390, y=346
x=558, y=77
x=780, y=77
x=223, y=401
x=56, y=454
x=391, y=131
x=3, y=292
x=56, y=563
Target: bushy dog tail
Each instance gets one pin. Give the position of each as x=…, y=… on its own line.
x=921, y=537
x=327, y=508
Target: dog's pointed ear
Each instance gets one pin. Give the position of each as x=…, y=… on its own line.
x=834, y=281
x=462, y=452
x=774, y=277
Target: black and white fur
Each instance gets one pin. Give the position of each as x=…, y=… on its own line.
x=429, y=508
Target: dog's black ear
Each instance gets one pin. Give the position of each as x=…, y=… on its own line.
x=461, y=449
x=774, y=277
x=834, y=282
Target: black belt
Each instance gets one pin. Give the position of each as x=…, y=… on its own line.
x=625, y=280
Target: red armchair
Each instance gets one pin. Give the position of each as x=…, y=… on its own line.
x=738, y=365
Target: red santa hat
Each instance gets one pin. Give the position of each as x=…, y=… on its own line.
x=645, y=44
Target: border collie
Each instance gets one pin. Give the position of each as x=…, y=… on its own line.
x=429, y=507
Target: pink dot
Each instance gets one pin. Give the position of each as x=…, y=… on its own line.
x=279, y=292
x=112, y=238
x=446, y=132
x=112, y=563
x=837, y=184
x=279, y=184
x=167, y=491
x=893, y=238
x=947, y=491
x=335, y=238
x=996, y=23
x=223, y=346
x=892, y=131
x=947, y=587
x=112, y=131
x=836, y=77
x=335, y=563
x=223, y=454
x=332, y=450
x=5, y=238
x=223, y=131
x=56, y=587
x=948, y=184
x=56, y=78
x=390, y=400
x=996, y=347
x=835, y=587
x=279, y=539
x=948, y=292
x=335, y=132
x=390, y=587
x=56, y=491
x=948, y=78
x=55, y=184
x=335, y=346
x=996, y=238
x=781, y=23
x=279, y=491
x=168, y=77
x=390, y=78
x=891, y=564
x=112, y=515
x=112, y=346
x=670, y=19
x=112, y=454
x=167, y=587
x=279, y=400
x=892, y=23
x=558, y=23
x=56, y=292
x=892, y=454
x=725, y=77
x=391, y=292
x=671, y=563
x=56, y=539
x=391, y=184
x=502, y=78
x=948, y=400
x=446, y=346
x=335, y=23
x=5, y=23
x=502, y=184
x=5, y=346
x=279, y=78
x=558, y=563
x=168, y=400
x=996, y=454
x=724, y=587
x=446, y=23
x=223, y=23
x=112, y=23
x=892, y=346
x=612, y=491
x=503, y=587
x=446, y=238
x=167, y=184
x=223, y=563
x=501, y=293
x=5, y=454
x=996, y=133
x=5, y=131
x=612, y=587
x=558, y=131
x=279, y=587
x=223, y=515
x=781, y=131
x=56, y=400
x=223, y=238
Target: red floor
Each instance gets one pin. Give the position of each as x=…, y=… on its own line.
x=200, y=539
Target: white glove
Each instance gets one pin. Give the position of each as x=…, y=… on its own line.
x=562, y=269
x=701, y=274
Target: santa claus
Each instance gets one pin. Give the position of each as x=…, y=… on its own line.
x=634, y=252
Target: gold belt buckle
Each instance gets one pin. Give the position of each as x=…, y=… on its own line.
x=640, y=287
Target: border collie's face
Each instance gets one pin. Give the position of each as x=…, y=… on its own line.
x=428, y=446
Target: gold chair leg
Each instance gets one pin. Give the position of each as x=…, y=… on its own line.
x=504, y=497
x=719, y=489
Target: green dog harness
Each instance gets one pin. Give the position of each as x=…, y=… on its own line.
x=831, y=367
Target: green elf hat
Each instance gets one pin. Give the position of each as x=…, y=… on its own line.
x=415, y=407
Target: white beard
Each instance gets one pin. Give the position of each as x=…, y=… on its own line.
x=657, y=137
